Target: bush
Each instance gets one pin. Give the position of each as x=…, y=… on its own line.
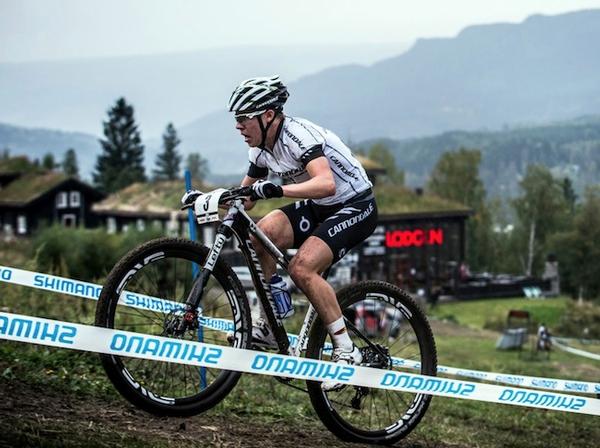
x=83, y=254
x=578, y=318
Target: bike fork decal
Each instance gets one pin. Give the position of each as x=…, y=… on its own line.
x=215, y=251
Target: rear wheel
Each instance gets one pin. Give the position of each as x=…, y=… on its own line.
x=152, y=282
x=396, y=328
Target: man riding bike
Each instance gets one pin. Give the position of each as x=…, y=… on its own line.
x=338, y=209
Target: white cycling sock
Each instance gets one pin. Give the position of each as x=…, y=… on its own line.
x=339, y=335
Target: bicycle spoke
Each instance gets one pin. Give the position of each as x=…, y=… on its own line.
x=377, y=325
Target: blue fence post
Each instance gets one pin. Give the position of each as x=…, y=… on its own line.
x=195, y=267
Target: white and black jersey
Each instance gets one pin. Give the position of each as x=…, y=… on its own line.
x=298, y=142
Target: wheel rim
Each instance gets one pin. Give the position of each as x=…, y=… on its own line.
x=388, y=325
x=170, y=278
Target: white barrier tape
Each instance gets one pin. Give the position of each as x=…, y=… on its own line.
x=582, y=341
x=136, y=345
x=576, y=351
x=92, y=291
x=78, y=288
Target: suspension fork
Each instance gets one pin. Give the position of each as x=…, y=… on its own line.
x=222, y=236
x=190, y=315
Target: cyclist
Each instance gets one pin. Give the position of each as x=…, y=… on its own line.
x=338, y=210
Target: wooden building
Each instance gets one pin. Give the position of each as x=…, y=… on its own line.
x=29, y=200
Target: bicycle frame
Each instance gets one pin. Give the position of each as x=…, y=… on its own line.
x=237, y=223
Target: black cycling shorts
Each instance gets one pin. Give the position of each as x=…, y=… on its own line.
x=341, y=226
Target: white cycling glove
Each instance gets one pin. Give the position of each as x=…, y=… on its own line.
x=190, y=197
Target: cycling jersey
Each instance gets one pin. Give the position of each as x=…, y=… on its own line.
x=298, y=142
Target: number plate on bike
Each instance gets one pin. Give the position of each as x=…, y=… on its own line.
x=206, y=206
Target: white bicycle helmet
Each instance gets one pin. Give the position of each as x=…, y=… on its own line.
x=256, y=95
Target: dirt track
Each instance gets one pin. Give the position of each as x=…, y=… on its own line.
x=31, y=416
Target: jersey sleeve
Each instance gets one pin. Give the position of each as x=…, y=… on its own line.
x=304, y=141
x=311, y=153
x=258, y=168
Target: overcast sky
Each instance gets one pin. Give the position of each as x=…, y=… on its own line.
x=60, y=29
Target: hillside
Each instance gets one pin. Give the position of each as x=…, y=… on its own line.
x=35, y=143
x=569, y=148
x=546, y=68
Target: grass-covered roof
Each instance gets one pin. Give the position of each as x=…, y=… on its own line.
x=29, y=186
x=164, y=198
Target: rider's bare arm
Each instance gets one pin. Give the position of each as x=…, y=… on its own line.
x=320, y=185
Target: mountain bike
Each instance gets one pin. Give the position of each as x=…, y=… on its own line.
x=211, y=306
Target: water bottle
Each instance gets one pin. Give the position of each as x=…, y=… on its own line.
x=281, y=295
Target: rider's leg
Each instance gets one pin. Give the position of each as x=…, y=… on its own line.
x=313, y=257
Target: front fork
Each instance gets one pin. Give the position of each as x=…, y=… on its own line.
x=192, y=303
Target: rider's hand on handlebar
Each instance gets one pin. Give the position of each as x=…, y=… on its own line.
x=188, y=199
x=263, y=189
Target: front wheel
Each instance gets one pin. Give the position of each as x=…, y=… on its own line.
x=144, y=293
x=398, y=334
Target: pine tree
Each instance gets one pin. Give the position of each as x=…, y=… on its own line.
x=69, y=165
x=48, y=162
x=198, y=166
x=122, y=160
x=168, y=161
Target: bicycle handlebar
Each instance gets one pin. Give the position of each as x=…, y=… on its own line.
x=235, y=193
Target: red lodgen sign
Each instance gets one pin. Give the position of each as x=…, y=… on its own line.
x=417, y=237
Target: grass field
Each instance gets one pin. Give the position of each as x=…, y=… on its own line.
x=478, y=313
x=70, y=386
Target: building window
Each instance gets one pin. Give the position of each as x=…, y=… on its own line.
x=21, y=224
x=75, y=199
x=111, y=225
x=69, y=220
x=141, y=225
x=8, y=231
x=61, y=200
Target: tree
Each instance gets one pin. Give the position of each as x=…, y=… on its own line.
x=69, y=165
x=198, y=166
x=382, y=154
x=168, y=161
x=541, y=210
x=456, y=177
x=122, y=160
x=587, y=228
x=569, y=193
x=578, y=250
x=48, y=162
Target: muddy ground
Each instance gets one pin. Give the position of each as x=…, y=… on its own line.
x=33, y=416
